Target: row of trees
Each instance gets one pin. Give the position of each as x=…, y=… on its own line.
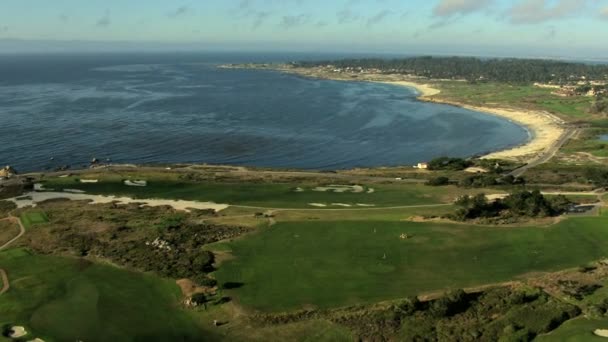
x=509, y=70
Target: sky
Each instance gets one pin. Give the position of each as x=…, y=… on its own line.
x=501, y=27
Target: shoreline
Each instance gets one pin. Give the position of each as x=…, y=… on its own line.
x=545, y=129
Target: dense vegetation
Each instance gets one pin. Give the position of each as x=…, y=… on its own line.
x=476, y=69
x=447, y=163
x=517, y=205
x=501, y=314
x=158, y=240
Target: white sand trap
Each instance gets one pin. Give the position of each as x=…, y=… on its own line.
x=494, y=197
x=64, y=176
x=601, y=332
x=32, y=198
x=36, y=340
x=298, y=190
x=365, y=205
x=73, y=191
x=141, y=183
x=340, y=188
x=474, y=169
x=320, y=205
x=17, y=332
x=371, y=190
x=341, y=205
x=89, y=181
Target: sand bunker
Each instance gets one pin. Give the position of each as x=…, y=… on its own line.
x=140, y=183
x=340, y=188
x=32, y=198
x=74, y=191
x=341, y=205
x=601, y=332
x=89, y=181
x=320, y=205
x=17, y=332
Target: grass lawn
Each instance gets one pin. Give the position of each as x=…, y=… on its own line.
x=328, y=264
x=280, y=195
x=32, y=218
x=60, y=299
x=518, y=96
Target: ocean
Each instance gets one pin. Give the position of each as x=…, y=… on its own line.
x=58, y=110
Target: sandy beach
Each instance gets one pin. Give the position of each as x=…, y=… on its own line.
x=545, y=129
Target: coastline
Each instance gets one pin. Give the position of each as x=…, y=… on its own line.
x=544, y=128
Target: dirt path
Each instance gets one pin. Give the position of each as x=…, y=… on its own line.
x=21, y=231
x=5, y=284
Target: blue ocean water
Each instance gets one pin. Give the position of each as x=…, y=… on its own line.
x=170, y=108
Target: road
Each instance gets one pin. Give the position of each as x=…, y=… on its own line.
x=568, y=134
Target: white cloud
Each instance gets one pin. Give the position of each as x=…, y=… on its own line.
x=536, y=11
x=447, y=8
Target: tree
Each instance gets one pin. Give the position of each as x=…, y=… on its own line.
x=438, y=181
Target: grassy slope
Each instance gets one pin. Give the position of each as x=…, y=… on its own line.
x=581, y=329
x=520, y=96
x=66, y=299
x=269, y=195
x=340, y=263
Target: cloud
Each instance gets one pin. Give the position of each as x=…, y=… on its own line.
x=291, y=21
x=180, y=11
x=104, y=21
x=604, y=13
x=378, y=18
x=64, y=18
x=537, y=11
x=447, y=8
x=259, y=18
x=347, y=16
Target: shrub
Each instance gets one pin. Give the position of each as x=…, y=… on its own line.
x=438, y=181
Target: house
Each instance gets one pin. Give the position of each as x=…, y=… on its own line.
x=422, y=166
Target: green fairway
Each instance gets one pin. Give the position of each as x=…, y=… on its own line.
x=60, y=299
x=279, y=195
x=32, y=218
x=328, y=264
